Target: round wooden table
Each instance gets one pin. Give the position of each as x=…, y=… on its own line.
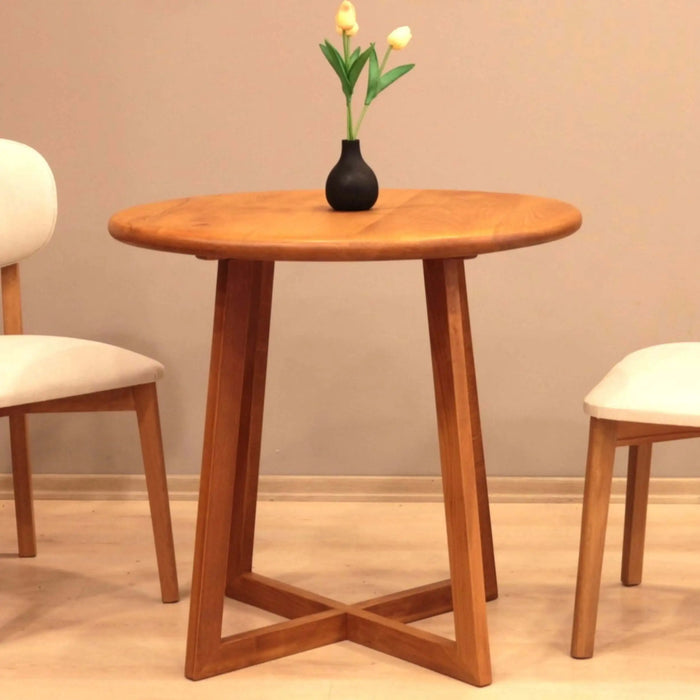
x=247, y=233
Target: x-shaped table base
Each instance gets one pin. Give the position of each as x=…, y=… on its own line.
x=315, y=621
x=228, y=497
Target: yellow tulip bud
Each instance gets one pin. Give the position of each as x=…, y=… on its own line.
x=346, y=18
x=353, y=30
x=399, y=38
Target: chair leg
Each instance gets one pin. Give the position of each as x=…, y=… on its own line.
x=146, y=404
x=638, y=472
x=22, y=484
x=596, y=500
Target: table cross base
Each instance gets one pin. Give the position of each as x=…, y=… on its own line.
x=228, y=496
x=314, y=621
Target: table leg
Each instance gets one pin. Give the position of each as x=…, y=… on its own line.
x=229, y=478
x=455, y=394
x=245, y=492
x=487, y=550
x=227, y=428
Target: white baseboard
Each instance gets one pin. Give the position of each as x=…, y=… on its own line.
x=502, y=489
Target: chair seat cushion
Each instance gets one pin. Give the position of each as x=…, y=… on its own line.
x=659, y=384
x=40, y=368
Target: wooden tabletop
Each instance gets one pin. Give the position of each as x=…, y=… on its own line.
x=299, y=225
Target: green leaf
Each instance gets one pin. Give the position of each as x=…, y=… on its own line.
x=338, y=65
x=392, y=76
x=357, y=65
x=337, y=56
x=353, y=57
x=373, y=79
x=336, y=59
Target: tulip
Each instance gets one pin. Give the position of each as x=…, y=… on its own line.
x=348, y=64
x=399, y=38
x=346, y=17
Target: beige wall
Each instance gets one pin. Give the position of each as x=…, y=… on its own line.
x=594, y=102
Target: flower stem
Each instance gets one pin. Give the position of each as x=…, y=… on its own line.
x=348, y=100
x=359, y=121
x=348, y=106
x=386, y=58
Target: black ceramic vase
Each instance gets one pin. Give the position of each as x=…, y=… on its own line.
x=351, y=185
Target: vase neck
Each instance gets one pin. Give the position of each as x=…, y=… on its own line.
x=351, y=146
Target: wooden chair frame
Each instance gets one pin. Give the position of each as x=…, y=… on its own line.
x=141, y=398
x=604, y=437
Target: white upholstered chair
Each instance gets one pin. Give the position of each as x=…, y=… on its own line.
x=46, y=374
x=650, y=396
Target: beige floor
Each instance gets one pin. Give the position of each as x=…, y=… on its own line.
x=83, y=619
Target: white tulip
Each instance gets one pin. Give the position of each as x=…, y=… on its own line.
x=399, y=38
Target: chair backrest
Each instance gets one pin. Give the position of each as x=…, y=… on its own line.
x=28, y=203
